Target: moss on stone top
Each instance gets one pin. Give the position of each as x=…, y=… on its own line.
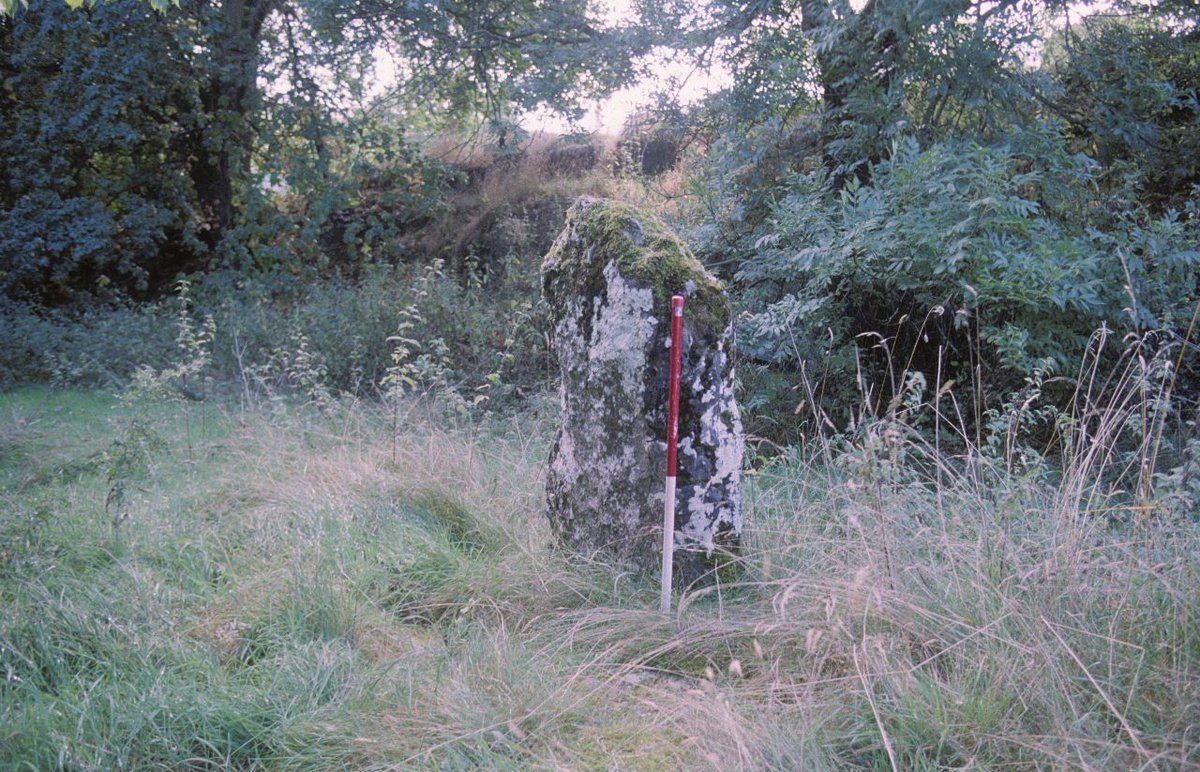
x=643, y=247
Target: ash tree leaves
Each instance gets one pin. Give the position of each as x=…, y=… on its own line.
x=956, y=255
x=952, y=185
x=488, y=57
x=1128, y=88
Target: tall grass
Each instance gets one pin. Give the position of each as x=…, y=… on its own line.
x=305, y=591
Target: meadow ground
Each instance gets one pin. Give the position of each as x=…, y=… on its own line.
x=191, y=585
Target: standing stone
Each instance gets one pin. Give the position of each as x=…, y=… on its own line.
x=608, y=280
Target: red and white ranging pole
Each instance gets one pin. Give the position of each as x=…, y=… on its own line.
x=668, y=555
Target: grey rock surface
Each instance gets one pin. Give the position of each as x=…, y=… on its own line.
x=608, y=280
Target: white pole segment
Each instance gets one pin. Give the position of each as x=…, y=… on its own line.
x=668, y=554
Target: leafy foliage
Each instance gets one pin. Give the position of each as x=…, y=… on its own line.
x=958, y=255
x=93, y=193
x=143, y=145
x=1128, y=87
x=948, y=189
x=957, y=190
x=486, y=57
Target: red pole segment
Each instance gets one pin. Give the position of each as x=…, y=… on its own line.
x=673, y=387
x=676, y=355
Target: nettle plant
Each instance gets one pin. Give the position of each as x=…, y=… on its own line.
x=134, y=453
x=420, y=363
x=186, y=376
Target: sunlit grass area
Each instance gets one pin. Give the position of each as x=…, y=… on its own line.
x=277, y=586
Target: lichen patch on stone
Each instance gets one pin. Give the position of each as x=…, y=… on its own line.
x=608, y=280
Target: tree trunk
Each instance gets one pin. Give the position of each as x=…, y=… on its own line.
x=219, y=152
x=865, y=59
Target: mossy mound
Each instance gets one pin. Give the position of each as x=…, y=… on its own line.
x=644, y=249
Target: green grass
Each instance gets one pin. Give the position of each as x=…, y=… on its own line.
x=273, y=591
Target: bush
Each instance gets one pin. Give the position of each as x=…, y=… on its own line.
x=347, y=336
x=961, y=261
x=101, y=346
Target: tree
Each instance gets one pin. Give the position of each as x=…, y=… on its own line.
x=189, y=100
x=888, y=68
x=923, y=197
x=1128, y=86
x=94, y=192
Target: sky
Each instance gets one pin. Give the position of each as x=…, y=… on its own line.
x=687, y=84
x=667, y=74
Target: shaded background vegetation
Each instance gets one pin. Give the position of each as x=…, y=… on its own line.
x=951, y=196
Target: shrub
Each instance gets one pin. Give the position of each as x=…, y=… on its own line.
x=964, y=262
x=99, y=346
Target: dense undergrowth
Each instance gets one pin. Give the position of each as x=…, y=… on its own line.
x=451, y=308
x=266, y=583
